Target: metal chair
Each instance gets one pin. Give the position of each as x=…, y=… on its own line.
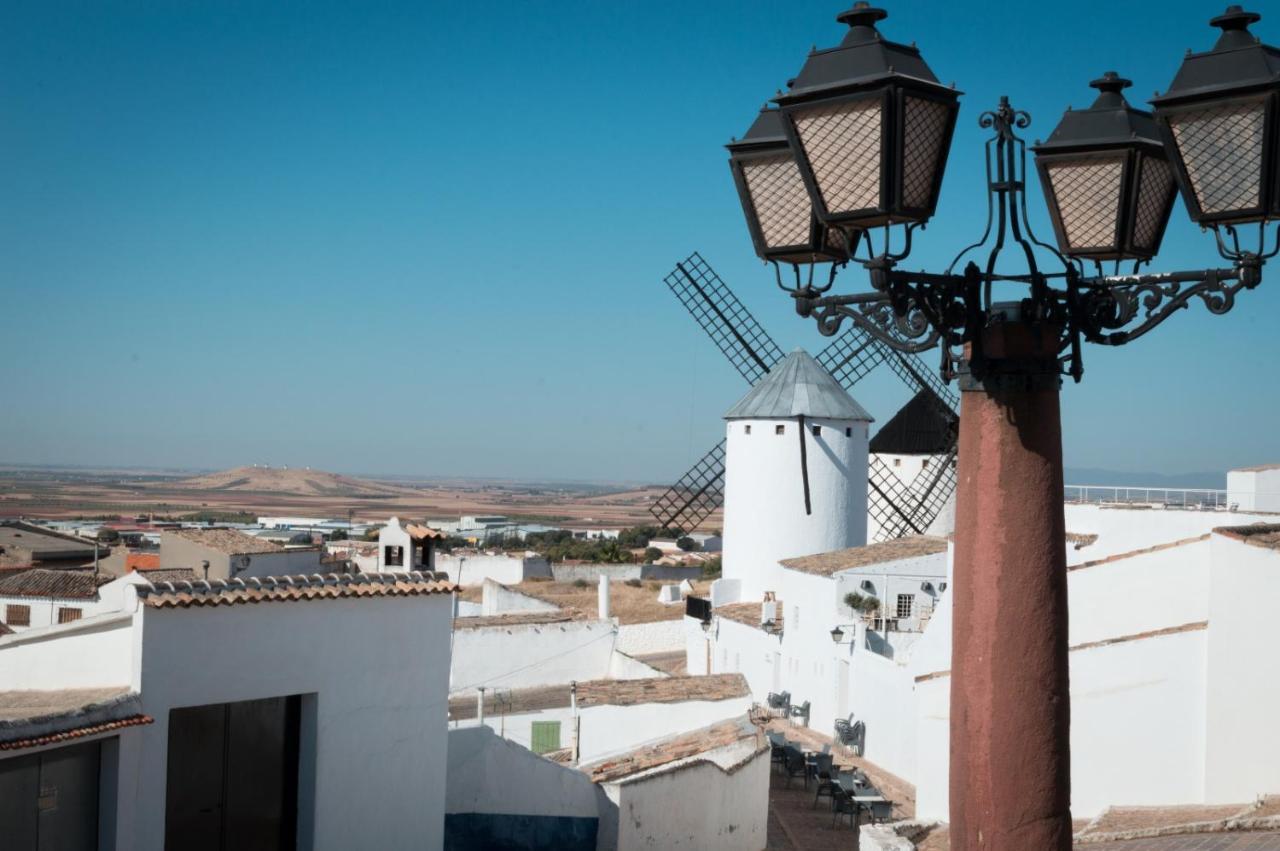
x=822, y=770
x=843, y=804
x=801, y=711
x=795, y=765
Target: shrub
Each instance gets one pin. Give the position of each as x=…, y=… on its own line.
x=652, y=554
x=634, y=583
x=581, y=583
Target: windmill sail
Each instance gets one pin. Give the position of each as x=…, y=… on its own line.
x=695, y=495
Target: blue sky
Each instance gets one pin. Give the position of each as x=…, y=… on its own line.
x=429, y=238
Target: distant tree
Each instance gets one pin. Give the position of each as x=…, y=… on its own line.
x=711, y=568
x=652, y=554
x=108, y=536
x=338, y=535
x=688, y=544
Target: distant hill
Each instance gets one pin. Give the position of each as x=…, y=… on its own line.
x=298, y=481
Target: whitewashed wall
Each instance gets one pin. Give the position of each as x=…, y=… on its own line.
x=764, y=512
x=44, y=610
x=1255, y=489
x=637, y=639
x=1123, y=530
x=377, y=715
x=607, y=730
x=531, y=655
x=90, y=653
x=1243, y=694
x=475, y=569
x=695, y=805
x=497, y=598
x=488, y=774
x=624, y=667
x=882, y=696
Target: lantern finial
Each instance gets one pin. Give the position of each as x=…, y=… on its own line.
x=1234, y=24
x=863, y=14
x=1110, y=85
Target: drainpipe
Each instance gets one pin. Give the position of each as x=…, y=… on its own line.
x=603, y=597
x=573, y=708
x=480, y=707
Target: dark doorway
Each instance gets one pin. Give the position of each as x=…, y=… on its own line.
x=49, y=800
x=233, y=776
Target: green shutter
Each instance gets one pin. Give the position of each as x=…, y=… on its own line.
x=545, y=736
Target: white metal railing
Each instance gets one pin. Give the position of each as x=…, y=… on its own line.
x=1177, y=497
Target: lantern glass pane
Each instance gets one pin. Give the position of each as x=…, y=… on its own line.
x=1221, y=149
x=1155, y=189
x=1087, y=192
x=842, y=144
x=782, y=205
x=925, y=129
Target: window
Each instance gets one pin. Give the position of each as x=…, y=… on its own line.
x=906, y=602
x=544, y=736
x=779, y=429
x=848, y=431
x=924, y=465
x=817, y=431
x=394, y=557
x=747, y=428
x=897, y=462
x=67, y=614
x=795, y=617
x=17, y=615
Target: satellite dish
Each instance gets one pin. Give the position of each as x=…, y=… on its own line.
x=241, y=562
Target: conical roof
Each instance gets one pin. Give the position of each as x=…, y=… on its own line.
x=924, y=426
x=798, y=386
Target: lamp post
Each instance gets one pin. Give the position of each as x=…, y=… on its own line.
x=869, y=127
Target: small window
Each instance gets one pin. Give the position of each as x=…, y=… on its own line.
x=67, y=614
x=817, y=431
x=17, y=615
x=897, y=462
x=924, y=465
x=848, y=431
x=779, y=429
x=394, y=557
x=906, y=602
x=544, y=736
x=747, y=428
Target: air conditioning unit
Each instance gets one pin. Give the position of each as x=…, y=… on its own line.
x=942, y=586
x=868, y=585
x=926, y=586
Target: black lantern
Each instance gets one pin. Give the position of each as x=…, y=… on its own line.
x=837, y=634
x=1107, y=179
x=774, y=199
x=870, y=127
x=1219, y=123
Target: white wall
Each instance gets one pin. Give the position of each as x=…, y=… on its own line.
x=44, y=610
x=698, y=805
x=624, y=667
x=519, y=656
x=488, y=774
x=1123, y=530
x=497, y=598
x=1255, y=489
x=90, y=653
x=378, y=670
x=764, y=514
x=1243, y=694
x=882, y=696
x=637, y=639
x=475, y=569
x=607, y=730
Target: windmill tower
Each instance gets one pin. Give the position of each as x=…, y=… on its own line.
x=795, y=473
x=897, y=506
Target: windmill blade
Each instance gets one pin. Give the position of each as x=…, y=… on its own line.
x=917, y=374
x=851, y=356
x=695, y=495
x=725, y=319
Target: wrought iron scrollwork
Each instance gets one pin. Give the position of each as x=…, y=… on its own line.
x=915, y=311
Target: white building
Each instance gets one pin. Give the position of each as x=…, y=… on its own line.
x=314, y=715
x=1255, y=488
x=795, y=474
x=230, y=553
x=41, y=598
x=404, y=547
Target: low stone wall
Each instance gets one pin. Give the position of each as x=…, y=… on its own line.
x=638, y=639
x=655, y=572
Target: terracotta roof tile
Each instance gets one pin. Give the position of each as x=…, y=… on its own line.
x=77, y=733
x=662, y=690
x=675, y=748
x=1258, y=535
x=58, y=584
x=141, y=561
x=747, y=613
x=229, y=541
x=289, y=588
x=826, y=564
x=520, y=619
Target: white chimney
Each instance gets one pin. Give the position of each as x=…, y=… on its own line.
x=480, y=707
x=603, y=598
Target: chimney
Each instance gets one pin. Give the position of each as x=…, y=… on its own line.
x=603, y=598
x=480, y=707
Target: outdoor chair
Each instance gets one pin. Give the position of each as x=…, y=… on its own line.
x=777, y=750
x=822, y=771
x=843, y=805
x=801, y=711
x=795, y=766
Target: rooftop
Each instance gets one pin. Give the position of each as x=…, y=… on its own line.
x=1260, y=535
x=515, y=701
x=58, y=584
x=828, y=564
x=44, y=543
x=518, y=619
x=32, y=718
x=229, y=541
x=923, y=426
x=798, y=386
x=747, y=613
x=676, y=749
x=289, y=589
x=1260, y=468
x=662, y=690
x=141, y=561
x=417, y=531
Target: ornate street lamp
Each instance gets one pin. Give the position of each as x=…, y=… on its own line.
x=1219, y=120
x=869, y=127
x=774, y=199
x=1106, y=178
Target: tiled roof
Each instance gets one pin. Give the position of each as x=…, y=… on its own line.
x=229, y=541
x=1259, y=535
x=1260, y=468
x=826, y=564
x=289, y=588
x=58, y=584
x=141, y=561
x=674, y=749
x=519, y=619
x=662, y=690
x=510, y=702
x=170, y=574
x=747, y=613
x=31, y=718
